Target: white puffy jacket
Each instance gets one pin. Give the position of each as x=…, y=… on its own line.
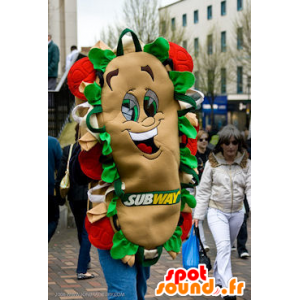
x=223, y=186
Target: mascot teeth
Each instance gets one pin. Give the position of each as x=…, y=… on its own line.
x=143, y=135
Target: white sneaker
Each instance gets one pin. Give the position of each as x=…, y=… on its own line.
x=244, y=254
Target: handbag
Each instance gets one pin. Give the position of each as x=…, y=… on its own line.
x=65, y=182
x=190, y=251
x=203, y=258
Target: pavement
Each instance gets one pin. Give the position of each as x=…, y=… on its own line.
x=63, y=252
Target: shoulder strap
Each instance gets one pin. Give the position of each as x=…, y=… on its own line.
x=70, y=153
x=196, y=229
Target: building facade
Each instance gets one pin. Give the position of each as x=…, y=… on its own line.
x=62, y=25
x=217, y=34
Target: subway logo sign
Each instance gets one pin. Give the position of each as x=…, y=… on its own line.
x=152, y=198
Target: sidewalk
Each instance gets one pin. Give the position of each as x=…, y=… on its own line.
x=63, y=251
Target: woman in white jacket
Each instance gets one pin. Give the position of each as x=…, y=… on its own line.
x=225, y=181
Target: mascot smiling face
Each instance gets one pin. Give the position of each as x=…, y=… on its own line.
x=140, y=114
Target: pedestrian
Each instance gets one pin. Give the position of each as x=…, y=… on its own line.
x=208, y=129
x=77, y=197
x=202, y=151
x=243, y=233
x=212, y=137
x=248, y=142
x=54, y=157
x=121, y=279
x=225, y=181
x=202, y=157
x=53, y=60
x=71, y=57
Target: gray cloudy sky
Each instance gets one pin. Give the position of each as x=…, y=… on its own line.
x=93, y=15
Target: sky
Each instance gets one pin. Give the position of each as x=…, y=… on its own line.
x=93, y=15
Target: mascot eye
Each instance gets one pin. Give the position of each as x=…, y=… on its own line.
x=130, y=108
x=150, y=103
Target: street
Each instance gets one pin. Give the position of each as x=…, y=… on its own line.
x=63, y=251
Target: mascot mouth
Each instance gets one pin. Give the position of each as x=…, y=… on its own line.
x=145, y=141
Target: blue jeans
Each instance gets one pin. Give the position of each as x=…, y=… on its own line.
x=53, y=216
x=84, y=253
x=51, y=229
x=123, y=282
x=79, y=211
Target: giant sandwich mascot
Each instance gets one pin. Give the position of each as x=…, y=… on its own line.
x=134, y=108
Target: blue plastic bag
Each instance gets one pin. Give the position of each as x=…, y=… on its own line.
x=190, y=251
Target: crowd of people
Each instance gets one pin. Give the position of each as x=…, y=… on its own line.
x=223, y=200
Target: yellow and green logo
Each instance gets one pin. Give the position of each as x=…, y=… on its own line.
x=152, y=198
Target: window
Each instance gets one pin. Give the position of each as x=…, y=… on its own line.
x=209, y=12
x=223, y=8
x=223, y=81
x=239, y=80
x=196, y=46
x=184, y=20
x=196, y=17
x=223, y=41
x=197, y=85
x=184, y=45
x=239, y=4
x=240, y=38
x=209, y=44
x=248, y=83
x=173, y=27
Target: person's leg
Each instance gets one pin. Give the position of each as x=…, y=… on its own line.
x=219, y=227
x=53, y=216
x=235, y=222
x=121, y=279
x=84, y=253
x=51, y=86
x=143, y=274
x=52, y=225
x=218, y=280
x=242, y=237
x=51, y=83
x=202, y=236
x=79, y=211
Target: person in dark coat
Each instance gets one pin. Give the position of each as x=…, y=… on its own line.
x=243, y=233
x=77, y=197
x=54, y=157
x=53, y=60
